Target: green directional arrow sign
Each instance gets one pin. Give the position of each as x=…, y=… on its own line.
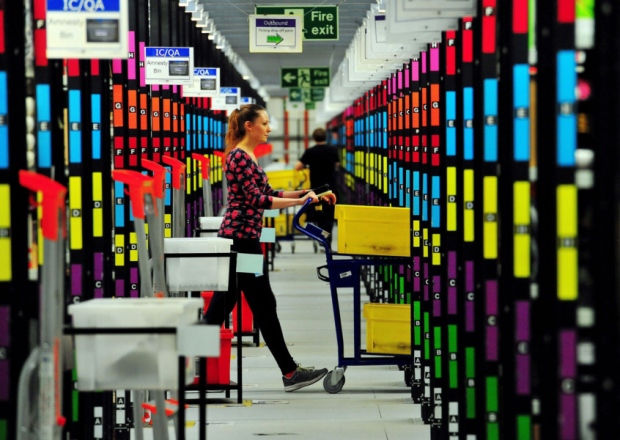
x=276, y=39
x=305, y=77
x=295, y=94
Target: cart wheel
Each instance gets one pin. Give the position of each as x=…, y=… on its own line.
x=293, y=248
x=278, y=247
x=315, y=247
x=327, y=384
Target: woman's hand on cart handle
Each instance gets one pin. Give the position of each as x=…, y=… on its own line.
x=310, y=195
x=328, y=197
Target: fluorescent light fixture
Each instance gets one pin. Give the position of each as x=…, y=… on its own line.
x=191, y=6
x=197, y=14
x=204, y=21
x=246, y=77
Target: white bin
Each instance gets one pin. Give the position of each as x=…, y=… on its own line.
x=146, y=361
x=210, y=223
x=197, y=273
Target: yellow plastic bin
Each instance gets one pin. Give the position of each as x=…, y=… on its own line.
x=374, y=230
x=288, y=180
x=388, y=328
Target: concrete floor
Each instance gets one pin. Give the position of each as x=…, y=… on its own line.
x=374, y=403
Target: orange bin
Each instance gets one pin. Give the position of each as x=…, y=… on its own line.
x=218, y=368
x=247, y=320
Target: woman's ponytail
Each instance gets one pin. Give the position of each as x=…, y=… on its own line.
x=236, y=124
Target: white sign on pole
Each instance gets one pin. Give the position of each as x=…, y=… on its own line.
x=276, y=33
x=228, y=99
x=169, y=65
x=206, y=82
x=87, y=29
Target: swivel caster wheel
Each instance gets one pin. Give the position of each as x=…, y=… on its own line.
x=335, y=388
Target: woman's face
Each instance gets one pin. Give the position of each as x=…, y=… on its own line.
x=259, y=130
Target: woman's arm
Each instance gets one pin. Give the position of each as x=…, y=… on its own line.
x=294, y=194
x=280, y=202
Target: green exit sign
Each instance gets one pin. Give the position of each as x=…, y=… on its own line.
x=314, y=94
x=320, y=22
x=304, y=77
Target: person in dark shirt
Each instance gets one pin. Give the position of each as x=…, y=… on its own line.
x=323, y=162
x=249, y=194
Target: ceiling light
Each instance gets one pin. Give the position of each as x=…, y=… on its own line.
x=204, y=21
x=197, y=14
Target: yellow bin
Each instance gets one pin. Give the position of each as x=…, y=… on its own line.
x=388, y=328
x=289, y=180
x=374, y=230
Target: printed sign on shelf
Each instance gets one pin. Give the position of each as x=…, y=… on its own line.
x=228, y=99
x=87, y=29
x=206, y=82
x=169, y=65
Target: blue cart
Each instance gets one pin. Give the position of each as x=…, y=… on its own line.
x=345, y=271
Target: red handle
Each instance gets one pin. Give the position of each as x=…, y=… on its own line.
x=178, y=170
x=139, y=185
x=222, y=156
x=53, y=201
x=204, y=162
x=263, y=150
x=159, y=176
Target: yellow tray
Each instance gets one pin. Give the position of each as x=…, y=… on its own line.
x=374, y=230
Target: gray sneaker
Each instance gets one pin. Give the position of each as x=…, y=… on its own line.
x=303, y=377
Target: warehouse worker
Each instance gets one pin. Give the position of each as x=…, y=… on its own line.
x=324, y=162
x=249, y=194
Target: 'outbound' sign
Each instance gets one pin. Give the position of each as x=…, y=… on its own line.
x=169, y=65
x=276, y=34
x=87, y=29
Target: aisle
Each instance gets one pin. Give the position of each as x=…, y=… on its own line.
x=374, y=403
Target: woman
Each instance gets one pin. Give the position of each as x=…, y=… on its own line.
x=249, y=194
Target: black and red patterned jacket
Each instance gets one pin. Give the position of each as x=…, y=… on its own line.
x=249, y=194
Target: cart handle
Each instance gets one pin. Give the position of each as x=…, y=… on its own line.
x=159, y=176
x=178, y=171
x=320, y=275
x=52, y=219
x=139, y=185
x=311, y=230
x=204, y=164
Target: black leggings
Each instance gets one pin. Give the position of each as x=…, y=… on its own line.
x=260, y=298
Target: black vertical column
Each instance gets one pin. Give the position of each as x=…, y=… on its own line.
x=418, y=340
x=470, y=420
x=486, y=218
x=450, y=191
x=557, y=207
x=515, y=231
x=606, y=213
x=18, y=302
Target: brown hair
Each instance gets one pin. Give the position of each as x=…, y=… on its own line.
x=319, y=135
x=236, y=124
